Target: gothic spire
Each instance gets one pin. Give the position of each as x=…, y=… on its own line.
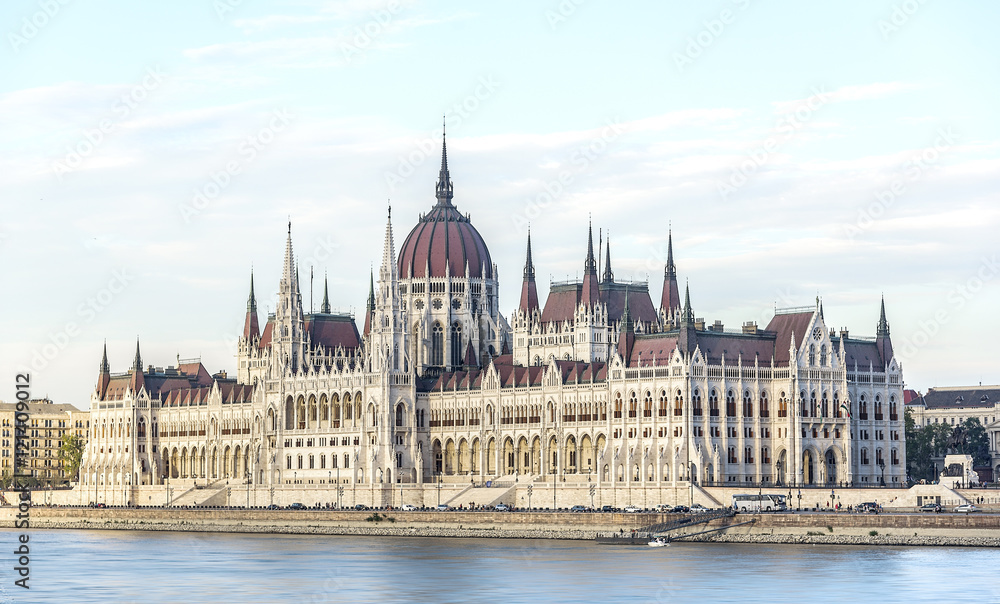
x=670, y=296
x=105, y=367
x=529, y=266
x=529, y=293
x=608, y=275
x=670, y=271
x=137, y=363
x=627, y=324
x=591, y=294
x=288, y=273
x=590, y=266
x=687, y=318
x=325, y=307
x=251, y=329
x=370, y=308
x=445, y=190
x=883, y=325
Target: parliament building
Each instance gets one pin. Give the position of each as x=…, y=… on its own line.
x=598, y=390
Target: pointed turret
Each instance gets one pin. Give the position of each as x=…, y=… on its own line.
x=591, y=290
x=370, y=309
x=325, y=307
x=104, y=375
x=626, y=334
x=608, y=276
x=670, y=298
x=137, y=380
x=687, y=339
x=445, y=190
x=251, y=329
x=288, y=270
x=882, y=339
x=529, y=293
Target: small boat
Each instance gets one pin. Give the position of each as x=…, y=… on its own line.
x=659, y=542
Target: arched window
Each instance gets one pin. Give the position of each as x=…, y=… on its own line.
x=713, y=403
x=813, y=406
x=863, y=408
x=764, y=410
x=812, y=354
x=747, y=404
x=822, y=355
x=730, y=404
x=456, y=345
x=837, y=411
x=878, y=406
x=399, y=415
x=782, y=405
x=825, y=407
x=437, y=345
x=633, y=403
x=678, y=404
x=647, y=405
x=662, y=411
x=893, y=413
x=696, y=402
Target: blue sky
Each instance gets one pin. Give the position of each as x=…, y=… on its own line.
x=846, y=150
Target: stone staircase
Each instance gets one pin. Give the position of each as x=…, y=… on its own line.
x=211, y=494
x=500, y=490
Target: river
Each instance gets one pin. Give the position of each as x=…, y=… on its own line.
x=126, y=566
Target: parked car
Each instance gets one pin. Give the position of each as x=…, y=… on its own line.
x=632, y=509
x=869, y=507
x=407, y=507
x=500, y=507
x=361, y=507
x=965, y=508
x=931, y=507
x=297, y=506
x=578, y=508
x=607, y=508
x=680, y=509
x=443, y=508
x=274, y=506
x=698, y=509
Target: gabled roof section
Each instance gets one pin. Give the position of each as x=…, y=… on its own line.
x=784, y=324
x=332, y=331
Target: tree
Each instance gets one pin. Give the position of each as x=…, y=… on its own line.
x=71, y=454
x=977, y=442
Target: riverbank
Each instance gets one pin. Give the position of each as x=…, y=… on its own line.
x=973, y=530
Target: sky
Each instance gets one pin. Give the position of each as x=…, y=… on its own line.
x=152, y=154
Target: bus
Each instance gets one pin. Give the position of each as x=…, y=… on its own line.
x=759, y=503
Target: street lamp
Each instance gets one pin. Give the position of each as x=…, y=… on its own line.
x=881, y=466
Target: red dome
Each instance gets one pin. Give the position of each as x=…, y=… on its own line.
x=444, y=238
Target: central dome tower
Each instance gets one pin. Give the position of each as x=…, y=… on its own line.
x=448, y=287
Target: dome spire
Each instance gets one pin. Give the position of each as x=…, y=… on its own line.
x=325, y=307
x=445, y=190
x=608, y=275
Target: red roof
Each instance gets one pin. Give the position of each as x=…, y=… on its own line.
x=332, y=331
x=784, y=325
x=443, y=238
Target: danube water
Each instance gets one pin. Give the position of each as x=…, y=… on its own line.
x=124, y=566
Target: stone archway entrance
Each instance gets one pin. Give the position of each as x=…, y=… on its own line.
x=808, y=469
